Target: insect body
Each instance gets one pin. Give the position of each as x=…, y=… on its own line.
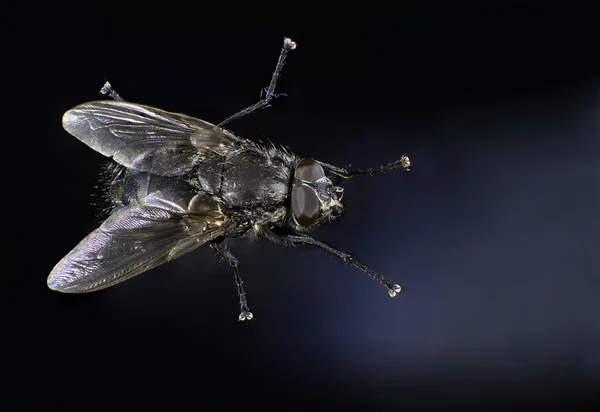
x=179, y=182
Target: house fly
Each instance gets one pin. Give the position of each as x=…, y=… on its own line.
x=179, y=182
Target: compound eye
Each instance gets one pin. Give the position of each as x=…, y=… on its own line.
x=309, y=170
x=305, y=205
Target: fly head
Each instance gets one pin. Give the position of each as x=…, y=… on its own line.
x=314, y=198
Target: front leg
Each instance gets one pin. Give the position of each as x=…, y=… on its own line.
x=403, y=162
x=221, y=248
x=303, y=239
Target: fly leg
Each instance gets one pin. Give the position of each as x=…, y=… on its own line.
x=302, y=239
x=108, y=90
x=403, y=162
x=222, y=250
x=288, y=45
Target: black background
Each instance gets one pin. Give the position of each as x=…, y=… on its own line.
x=493, y=235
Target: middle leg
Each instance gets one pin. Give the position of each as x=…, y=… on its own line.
x=288, y=45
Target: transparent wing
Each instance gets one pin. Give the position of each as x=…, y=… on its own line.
x=136, y=238
x=145, y=138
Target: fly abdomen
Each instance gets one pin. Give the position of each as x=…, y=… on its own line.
x=132, y=186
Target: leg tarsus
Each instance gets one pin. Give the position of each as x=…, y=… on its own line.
x=288, y=45
x=223, y=251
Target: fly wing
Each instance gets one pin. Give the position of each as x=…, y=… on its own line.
x=145, y=138
x=136, y=238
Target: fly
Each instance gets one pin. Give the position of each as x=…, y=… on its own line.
x=179, y=182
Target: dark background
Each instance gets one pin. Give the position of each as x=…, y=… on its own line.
x=493, y=235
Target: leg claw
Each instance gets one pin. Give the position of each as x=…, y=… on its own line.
x=245, y=315
x=394, y=290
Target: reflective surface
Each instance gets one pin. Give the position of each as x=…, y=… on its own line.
x=309, y=170
x=305, y=205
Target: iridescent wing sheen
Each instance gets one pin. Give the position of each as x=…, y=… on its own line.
x=145, y=138
x=136, y=238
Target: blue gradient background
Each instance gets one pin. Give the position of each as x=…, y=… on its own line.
x=493, y=234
